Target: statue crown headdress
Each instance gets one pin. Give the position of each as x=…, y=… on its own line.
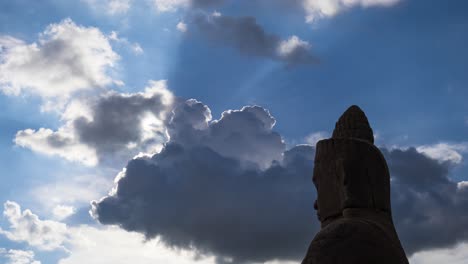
x=354, y=124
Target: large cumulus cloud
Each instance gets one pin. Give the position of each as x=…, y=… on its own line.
x=226, y=187
x=208, y=190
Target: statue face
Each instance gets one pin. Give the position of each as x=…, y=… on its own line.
x=329, y=184
x=349, y=173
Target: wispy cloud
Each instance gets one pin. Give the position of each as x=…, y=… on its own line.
x=110, y=7
x=316, y=9
x=249, y=38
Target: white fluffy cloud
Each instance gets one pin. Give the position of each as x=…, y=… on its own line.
x=121, y=247
x=316, y=9
x=86, y=244
x=15, y=256
x=27, y=227
x=288, y=47
x=124, y=124
x=181, y=26
x=445, y=151
x=60, y=143
x=66, y=58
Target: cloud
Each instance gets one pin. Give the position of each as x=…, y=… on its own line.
x=117, y=123
x=218, y=187
x=294, y=49
x=27, y=227
x=67, y=58
x=316, y=9
x=229, y=187
x=59, y=143
x=181, y=26
x=135, y=47
x=69, y=191
x=15, y=256
x=429, y=208
x=110, y=7
x=455, y=255
x=121, y=247
x=249, y=38
x=62, y=211
x=313, y=138
x=174, y=5
x=445, y=151
x=113, y=244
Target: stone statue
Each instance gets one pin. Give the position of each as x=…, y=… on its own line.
x=353, y=198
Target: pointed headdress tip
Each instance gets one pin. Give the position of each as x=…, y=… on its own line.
x=353, y=123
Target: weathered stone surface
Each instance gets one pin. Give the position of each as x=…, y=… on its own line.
x=353, y=198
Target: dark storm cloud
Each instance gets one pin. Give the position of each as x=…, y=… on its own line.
x=211, y=193
x=202, y=192
x=245, y=35
x=117, y=120
x=198, y=198
x=429, y=209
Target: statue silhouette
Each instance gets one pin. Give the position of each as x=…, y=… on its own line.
x=353, y=198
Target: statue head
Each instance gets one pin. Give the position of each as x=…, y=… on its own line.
x=350, y=171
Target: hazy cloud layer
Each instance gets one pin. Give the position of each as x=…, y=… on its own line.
x=111, y=7
x=222, y=199
x=173, y=5
x=121, y=124
x=67, y=58
x=313, y=9
x=249, y=38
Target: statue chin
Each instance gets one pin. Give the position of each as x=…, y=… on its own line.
x=353, y=198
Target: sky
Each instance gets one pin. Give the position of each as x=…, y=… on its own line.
x=184, y=131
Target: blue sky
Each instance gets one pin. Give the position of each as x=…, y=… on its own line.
x=88, y=86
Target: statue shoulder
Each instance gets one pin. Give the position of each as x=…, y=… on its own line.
x=353, y=241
